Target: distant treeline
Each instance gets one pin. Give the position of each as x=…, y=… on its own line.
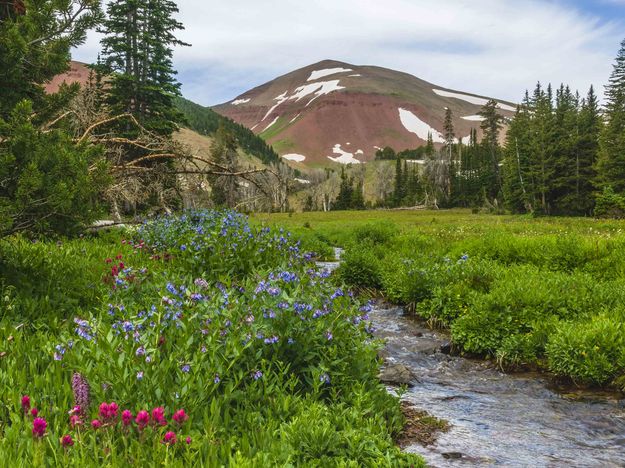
x=206, y=121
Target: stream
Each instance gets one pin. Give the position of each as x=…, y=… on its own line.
x=498, y=419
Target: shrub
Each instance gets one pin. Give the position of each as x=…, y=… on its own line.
x=591, y=352
x=609, y=204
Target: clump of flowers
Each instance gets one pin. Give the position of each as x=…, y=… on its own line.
x=39, y=427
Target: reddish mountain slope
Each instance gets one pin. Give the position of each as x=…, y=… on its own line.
x=78, y=73
x=333, y=111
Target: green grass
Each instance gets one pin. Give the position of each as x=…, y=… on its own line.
x=272, y=363
x=531, y=293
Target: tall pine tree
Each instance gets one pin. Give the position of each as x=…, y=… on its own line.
x=611, y=164
x=137, y=48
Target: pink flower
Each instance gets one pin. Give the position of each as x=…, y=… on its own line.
x=142, y=419
x=108, y=411
x=127, y=417
x=170, y=438
x=75, y=410
x=188, y=440
x=96, y=424
x=180, y=416
x=39, y=427
x=74, y=420
x=158, y=415
x=25, y=403
x=34, y=412
x=67, y=441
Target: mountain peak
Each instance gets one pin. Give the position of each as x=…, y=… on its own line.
x=335, y=112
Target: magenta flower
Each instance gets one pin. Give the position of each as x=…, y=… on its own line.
x=127, y=417
x=74, y=420
x=26, y=403
x=96, y=424
x=158, y=415
x=108, y=411
x=170, y=438
x=67, y=441
x=180, y=416
x=39, y=427
x=34, y=412
x=188, y=440
x=142, y=419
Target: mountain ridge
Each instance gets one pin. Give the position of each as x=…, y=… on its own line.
x=333, y=111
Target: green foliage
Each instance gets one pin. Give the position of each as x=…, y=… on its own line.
x=34, y=47
x=610, y=205
x=589, y=352
x=50, y=184
x=530, y=292
x=273, y=364
x=137, y=50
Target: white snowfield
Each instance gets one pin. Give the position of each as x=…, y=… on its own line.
x=344, y=157
x=318, y=89
x=302, y=181
x=472, y=99
x=281, y=98
x=473, y=118
x=360, y=152
x=327, y=72
x=294, y=157
x=238, y=102
x=355, y=75
x=274, y=121
x=415, y=125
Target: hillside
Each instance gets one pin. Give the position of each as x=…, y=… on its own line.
x=337, y=112
x=202, y=120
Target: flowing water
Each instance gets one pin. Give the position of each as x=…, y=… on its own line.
x=499, y=419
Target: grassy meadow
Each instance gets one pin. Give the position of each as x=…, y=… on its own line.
x=532, y=293
x=196, y=340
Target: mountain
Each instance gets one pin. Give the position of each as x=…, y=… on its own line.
x=337, y=112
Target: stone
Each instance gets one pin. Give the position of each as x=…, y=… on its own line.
x=397, y=374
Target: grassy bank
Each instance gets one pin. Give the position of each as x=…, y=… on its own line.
x=196, y=341
x=546, y=292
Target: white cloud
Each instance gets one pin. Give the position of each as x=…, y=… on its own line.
x=488, y=47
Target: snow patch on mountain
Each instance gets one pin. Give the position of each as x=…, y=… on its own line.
x=238, y=102
x=471, y=99
x=355, y=75
x=294, y=157
x=319, y=89
x=344, y=157
x=272, y=123
x=281, y=98
x=473, y=118
x=302, y=181
x=295, y=118
x=327, y=72
x=415, y=125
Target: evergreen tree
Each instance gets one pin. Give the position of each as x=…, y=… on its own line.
x=491, y=126
x=398, y=193
x=611, y=164
x=589, y=131
x=224, y=189
x=137, y=48
x=448, y=159
x=35, y=40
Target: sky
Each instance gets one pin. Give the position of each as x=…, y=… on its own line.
x=497, y=48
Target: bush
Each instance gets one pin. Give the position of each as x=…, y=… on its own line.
x=610, y=205
x=360, y=268
x=590, y=352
